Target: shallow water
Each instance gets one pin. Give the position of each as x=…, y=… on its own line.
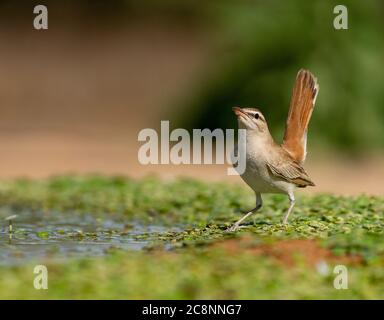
x=39, y=236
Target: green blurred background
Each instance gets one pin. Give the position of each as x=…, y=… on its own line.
x=262, y=44
x=106, y=69
x=259, y=47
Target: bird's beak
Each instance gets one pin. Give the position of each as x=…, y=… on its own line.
x=238, y=111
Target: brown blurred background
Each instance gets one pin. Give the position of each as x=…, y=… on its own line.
x=74, y=97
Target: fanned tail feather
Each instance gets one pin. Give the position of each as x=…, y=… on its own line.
x=302, y=102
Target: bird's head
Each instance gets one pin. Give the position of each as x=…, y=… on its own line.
x=251, y=119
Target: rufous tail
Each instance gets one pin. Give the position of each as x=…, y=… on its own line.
x=300, y=110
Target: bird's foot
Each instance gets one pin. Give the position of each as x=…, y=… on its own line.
x=234, y=228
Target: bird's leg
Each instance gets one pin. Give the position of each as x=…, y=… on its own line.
x=291, y=205
x=259, y=203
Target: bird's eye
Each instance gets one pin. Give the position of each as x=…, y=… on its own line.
x=257, y=116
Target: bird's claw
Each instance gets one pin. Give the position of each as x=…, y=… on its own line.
x=234, y=228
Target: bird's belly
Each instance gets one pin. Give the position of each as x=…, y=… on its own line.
x=258, y=184
x=259, y=179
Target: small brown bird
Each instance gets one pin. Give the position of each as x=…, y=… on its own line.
x=271, y=168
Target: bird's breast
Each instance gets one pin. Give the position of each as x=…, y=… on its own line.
x=256, y=173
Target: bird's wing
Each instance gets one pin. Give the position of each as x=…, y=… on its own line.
x=291, y=172
x=300, y=110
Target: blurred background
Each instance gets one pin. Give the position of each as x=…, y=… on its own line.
x=74, y=97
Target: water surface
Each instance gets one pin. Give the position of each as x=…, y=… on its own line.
x=38, y=236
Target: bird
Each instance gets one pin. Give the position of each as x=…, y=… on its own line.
x=274, y=168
